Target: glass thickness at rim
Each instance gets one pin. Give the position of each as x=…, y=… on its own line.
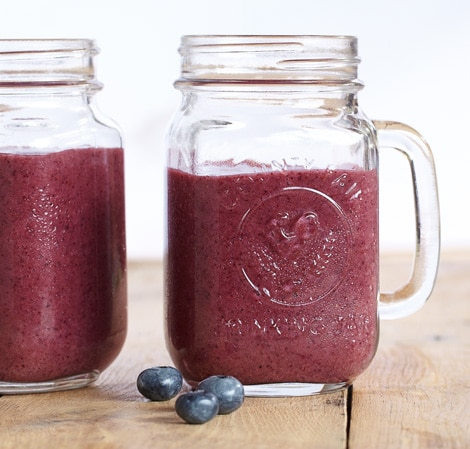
x=269, y=38
x=43, y=45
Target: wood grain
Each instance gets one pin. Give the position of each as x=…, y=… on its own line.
x=416, y=393
x=112, y=414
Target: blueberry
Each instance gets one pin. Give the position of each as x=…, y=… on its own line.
x=197, y=407
x=160, y=383
x=228, y=389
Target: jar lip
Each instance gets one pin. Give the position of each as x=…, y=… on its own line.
x=30, y=45
x=266, y=38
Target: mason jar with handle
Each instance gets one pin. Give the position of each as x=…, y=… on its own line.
x=272, y=262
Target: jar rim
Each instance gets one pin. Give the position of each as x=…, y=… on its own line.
x=270, y=37
x=8, y=46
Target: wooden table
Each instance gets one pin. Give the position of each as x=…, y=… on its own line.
x=416, y=393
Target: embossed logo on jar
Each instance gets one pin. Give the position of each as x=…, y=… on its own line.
x=296, y=246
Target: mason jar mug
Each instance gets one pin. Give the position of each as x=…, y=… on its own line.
x=272, y=262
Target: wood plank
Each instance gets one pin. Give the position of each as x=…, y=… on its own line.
x=416, y=393
x=113, y=414
x=97, y=418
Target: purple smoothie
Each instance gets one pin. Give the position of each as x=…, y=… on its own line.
x=272, y=277
x=63, y=286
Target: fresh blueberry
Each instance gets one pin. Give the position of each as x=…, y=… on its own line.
x=228, y=389
x=160, y=383
x=197, y=407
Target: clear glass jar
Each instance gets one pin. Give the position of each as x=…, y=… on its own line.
x=272, y=258
x=63, y=306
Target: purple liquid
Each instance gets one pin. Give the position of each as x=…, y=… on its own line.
x=62, y=263
x=272, y=277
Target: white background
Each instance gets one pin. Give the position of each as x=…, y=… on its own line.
x=415, y=65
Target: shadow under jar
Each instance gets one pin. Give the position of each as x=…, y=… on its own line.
x=272, y=265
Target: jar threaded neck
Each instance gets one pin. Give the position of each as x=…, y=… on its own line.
x=48, y=62
x=321, y=60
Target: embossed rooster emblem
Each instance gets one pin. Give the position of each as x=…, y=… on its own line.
x=297, y=245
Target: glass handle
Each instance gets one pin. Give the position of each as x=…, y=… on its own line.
x=412, y=296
